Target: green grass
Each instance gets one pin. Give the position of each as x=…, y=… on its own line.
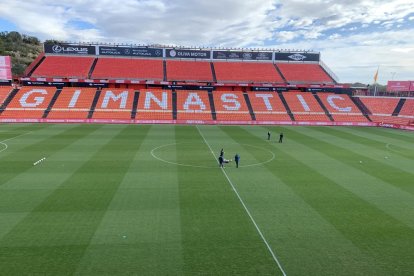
x=151, y=200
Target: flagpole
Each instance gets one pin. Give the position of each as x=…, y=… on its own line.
x=375, y=81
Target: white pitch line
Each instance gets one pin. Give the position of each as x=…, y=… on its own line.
x=207, y=167
x=245, y=208
x=6, y=146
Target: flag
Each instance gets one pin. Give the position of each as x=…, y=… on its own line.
x=376, y=76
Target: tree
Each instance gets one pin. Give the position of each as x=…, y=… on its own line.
x=23, y=49
x=14, y=37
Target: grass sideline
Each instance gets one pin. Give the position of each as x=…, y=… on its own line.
x=129, y=199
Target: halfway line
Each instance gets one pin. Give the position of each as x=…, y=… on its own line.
x=245, y=207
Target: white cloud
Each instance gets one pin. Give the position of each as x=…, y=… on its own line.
x=285, y=36
x=356, y=57
x=232, y=23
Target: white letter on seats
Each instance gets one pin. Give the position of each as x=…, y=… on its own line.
x=109, y=95
x=38, y=100
x=230, y=98
x=342, y=109
x=194, y=99
x=149, y=96
x=303, y=102
x=75, y=98
x=265, y=98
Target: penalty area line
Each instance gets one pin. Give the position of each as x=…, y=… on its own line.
x=245, y=208
x=6, y=146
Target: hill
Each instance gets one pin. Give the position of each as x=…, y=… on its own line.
x=22, y=48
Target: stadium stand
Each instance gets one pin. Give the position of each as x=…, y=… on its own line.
x=304, y=106
x=247, y=72
x=406, y=114
x=408, y=108
x=189, y=71
x=29, y=103
x=154, y=104
x=390, y=119
x=114, y=104
x=304, y=73
x=380, y=105
x=125, y=68
x=268, y=106
x=341, y=107
x=4, y=92
x=193, y=105
x=382, y=108
x=64, y=67
x=73, y=103
x=32, y=66
x=231, y=106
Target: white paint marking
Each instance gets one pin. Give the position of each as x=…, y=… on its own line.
x=209, y=167
x=6, y=146
x=245, y=207
x=39, y=161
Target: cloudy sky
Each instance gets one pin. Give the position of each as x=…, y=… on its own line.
x=353, y=36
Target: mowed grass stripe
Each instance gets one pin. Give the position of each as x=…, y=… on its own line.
x=27, y=190
x=22, y=160
x=377, y=147
x=29, y=135
x=388, y=198
x=376, y=233
x=348, y=155
x=66, y=221
x=217, y=235
x=10, y=131
x=391, y=145
x=305, y=241
x=404, y=136
x=140, y=232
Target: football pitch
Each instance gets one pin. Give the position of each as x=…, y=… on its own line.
x=152, y=200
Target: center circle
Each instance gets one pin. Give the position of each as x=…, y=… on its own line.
x=155, y=152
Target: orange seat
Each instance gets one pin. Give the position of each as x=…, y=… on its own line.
x=4, y=92
x=342, y=108
x=189, y=71
x=247, y=72
x=128, y=68
x=302, y=72
x=380, y=105
x=267, y=106
x=231, y=106
x=304, y=106
x=30, y=103
x=64, y=67
x=391, y=119
x=73, y=103
x=408, y=108
x=114, y=104
x=154, y=104
x=193, y=105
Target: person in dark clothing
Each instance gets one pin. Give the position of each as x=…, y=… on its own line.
x=222, y=153
x=268, y=135
x=221, y=160
x=281, y=138
x=237, y=159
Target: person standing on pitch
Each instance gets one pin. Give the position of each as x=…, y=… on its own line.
x=281, y=137
x=237, y=159
x=268, y=135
